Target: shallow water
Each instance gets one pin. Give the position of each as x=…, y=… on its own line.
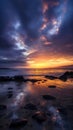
x=29, y=92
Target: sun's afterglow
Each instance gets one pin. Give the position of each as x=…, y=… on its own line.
x=51, y=63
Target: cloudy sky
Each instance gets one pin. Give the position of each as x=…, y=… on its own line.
x=36, y=33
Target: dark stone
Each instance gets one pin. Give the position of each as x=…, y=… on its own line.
x=49, y=97
x=10, y=88
x=33, y=80
x=10, y=95
x=48, y=113
x=66, y=76
x=62, y=110
x=50, y=77
x=19, y=78
x=17, y=123
x=52, y=86
x=14, y=78
x=5, y=78
x=30, y=106
x=70, y=107
x=40, y=117
x=10, y=91
x=3, y=107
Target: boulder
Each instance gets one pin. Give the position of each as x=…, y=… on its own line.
x=52, y=86
x=40, y=117
x=19, y=78
x=30, y=106
x=3, y=107
x=49, y=97
x=66, y=75
x=18, y=123
x=50, y=77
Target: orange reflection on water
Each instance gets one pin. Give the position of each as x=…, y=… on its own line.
x=58, y=83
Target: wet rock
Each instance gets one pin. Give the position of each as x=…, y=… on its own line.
x=10, y=88
x=52, y=86
x=10, y=94
x=49, y=97
x=19, y=78
x=3, y=107
x=40, y=117
x=66, y=76
x=18, y=123
x=70, y=107
x=34, y=80
x=10, y=91
x=50, y=77
x=30, y=106
x=5, y=78
x=62, y=110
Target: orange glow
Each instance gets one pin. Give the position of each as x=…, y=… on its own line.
x=48, y=63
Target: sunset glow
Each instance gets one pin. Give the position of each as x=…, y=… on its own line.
x=51, y=63
x=37, y=34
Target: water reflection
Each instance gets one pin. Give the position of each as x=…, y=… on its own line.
x=29, y=92
x=23, y=90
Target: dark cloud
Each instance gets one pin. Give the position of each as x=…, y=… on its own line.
x=35, y=28
x=29, y=14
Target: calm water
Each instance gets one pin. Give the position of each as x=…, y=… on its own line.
x=11, y=72
x=29, y=92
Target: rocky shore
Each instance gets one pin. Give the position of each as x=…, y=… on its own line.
x=41, y=104
x=20, y=78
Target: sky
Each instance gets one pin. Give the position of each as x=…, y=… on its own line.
x=36, y=33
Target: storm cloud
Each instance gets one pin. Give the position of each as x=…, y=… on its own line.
x=34, y=29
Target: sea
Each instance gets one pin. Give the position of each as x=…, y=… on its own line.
x=17, y=95
x=33, y=72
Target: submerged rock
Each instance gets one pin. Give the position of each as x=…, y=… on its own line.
x=10, y=93
x=50, y=77
x=49, y=97
x=3, y=107
x=18, y=123
x=30, y=106
x=40, y=117
x=18, y=78
x=52, y=86
x=62, y=110
x=66, y=76
x=70, y=107
x=5, y=78
x=33, y=80
x=10, y=88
